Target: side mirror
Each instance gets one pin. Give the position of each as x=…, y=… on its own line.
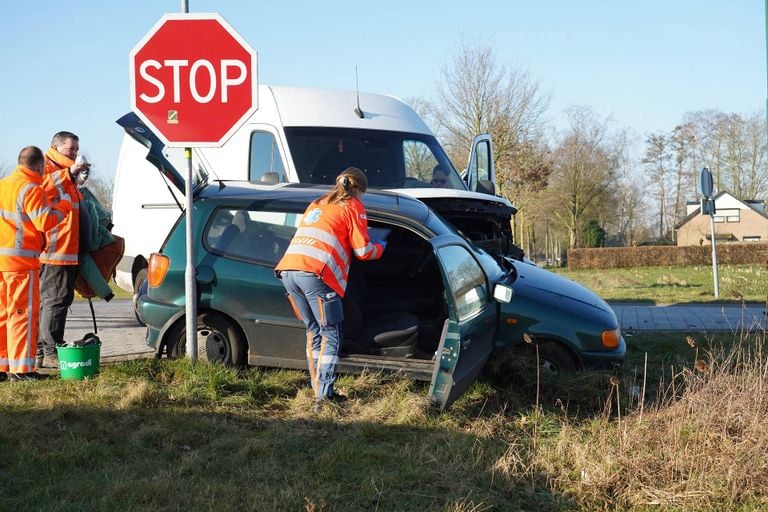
x=503, y=293
x=486, y=187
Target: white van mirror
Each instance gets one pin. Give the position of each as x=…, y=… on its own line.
x=503, y=293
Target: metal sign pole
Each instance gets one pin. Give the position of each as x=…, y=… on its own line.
x=708, y=206
x=189, y=274
x=714, y=257
x=190, y=283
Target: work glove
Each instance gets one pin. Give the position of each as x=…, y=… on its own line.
x=383, y=244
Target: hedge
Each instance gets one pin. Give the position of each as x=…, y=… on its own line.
x=667, y=255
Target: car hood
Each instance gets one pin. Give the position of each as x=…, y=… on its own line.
x=448, y=200
x=544, y=282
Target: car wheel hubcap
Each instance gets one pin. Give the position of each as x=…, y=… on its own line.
x=549, y=366
x=211, y=345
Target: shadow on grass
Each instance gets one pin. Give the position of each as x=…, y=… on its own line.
x=97, y=446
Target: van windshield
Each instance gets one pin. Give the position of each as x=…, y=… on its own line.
x=390, y=160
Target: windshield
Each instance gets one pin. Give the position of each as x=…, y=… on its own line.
x=389, y=159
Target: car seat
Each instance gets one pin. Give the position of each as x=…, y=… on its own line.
x=392, y=334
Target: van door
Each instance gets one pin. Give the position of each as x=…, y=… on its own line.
x=480, y=175
x=470, y=329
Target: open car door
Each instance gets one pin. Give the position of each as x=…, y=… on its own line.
x=480, y=175
x=469, y=331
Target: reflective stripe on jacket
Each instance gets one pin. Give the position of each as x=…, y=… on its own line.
x=62, y=243
x=25, y=212
x=327, y=237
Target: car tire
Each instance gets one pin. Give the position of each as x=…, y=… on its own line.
x=218, y=340
x=555, y=358
x=138, y=283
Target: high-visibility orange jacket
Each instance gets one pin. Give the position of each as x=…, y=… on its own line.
x=25, y=213
x=326, y=238
x=62, y=242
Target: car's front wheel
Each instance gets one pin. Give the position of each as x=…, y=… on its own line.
x=555, y=358
x=218, y=340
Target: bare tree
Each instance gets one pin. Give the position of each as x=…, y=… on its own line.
x=585, y=163
x=656, y=160
x=733, y=147
x=756, y=169
x=682, y=143
x=477, y=95
x=102, y=189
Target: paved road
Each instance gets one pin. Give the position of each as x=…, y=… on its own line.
x=697, y=318
x=123, y=338
x=121, y=335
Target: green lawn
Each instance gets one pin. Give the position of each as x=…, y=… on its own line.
x=669, y=285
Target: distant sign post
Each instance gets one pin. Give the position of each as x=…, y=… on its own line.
x=708, y=208
x=193, y=81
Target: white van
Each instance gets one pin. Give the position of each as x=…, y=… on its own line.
x=309, y=136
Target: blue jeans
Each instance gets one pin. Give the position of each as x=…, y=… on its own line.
x=321, y=310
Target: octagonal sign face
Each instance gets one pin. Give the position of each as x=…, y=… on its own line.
x=193, y=80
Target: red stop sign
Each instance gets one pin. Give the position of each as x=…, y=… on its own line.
x=193, y=80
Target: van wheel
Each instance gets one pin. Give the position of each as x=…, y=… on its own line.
x=218, y=340
x=138, y=282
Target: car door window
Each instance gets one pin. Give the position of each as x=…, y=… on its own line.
x=265, y=164
x=252, y=235
x=466, y=280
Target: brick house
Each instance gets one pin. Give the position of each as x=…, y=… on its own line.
x=735, y=221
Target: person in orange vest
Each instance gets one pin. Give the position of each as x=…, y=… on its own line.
x=25, y=214
x=315, y=269
x=60, y=257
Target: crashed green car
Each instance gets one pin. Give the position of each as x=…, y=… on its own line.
x=436, y=306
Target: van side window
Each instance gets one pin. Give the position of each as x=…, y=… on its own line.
x=252, y=235
x=466, y=280
x=265, y=164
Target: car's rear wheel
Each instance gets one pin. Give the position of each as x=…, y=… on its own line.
x=138, y=283
x=218, y=340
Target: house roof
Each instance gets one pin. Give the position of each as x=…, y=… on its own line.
x=751, y=204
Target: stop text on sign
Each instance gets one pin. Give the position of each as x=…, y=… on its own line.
x=193, y=80
x=202, y=74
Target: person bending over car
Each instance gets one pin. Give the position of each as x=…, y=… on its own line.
x=315, y=268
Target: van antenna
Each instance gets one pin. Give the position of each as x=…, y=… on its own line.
x=358, y=111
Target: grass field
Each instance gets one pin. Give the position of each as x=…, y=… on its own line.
x=671, y=285
x=680, y=429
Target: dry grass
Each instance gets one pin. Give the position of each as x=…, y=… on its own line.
x=699, y=445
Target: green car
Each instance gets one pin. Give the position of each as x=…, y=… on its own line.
x=436, y=306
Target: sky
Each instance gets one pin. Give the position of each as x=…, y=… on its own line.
x=643, y=63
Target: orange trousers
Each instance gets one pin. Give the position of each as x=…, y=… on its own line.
x=19, y=314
